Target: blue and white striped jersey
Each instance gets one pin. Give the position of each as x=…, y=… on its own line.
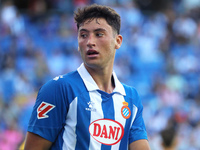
x=74, y=114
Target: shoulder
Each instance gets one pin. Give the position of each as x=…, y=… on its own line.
x=62, y=80
x=65, y=79
x=130, y=90
x=132, y=94
x=65, y=86
x=59, y=91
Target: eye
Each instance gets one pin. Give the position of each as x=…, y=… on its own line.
x=99, y=34
x=83, y=35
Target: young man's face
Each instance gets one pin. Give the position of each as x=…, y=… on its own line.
x=97, y=43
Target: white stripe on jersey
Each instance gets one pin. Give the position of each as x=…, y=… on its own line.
x=69, y=135
x=117, y=101
x=95, y=97
x=134, y=111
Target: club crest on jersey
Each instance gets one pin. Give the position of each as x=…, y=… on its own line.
x=43, y=109
x=125, y=110
x=106, y=131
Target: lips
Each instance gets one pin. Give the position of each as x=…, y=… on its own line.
x=92, y=52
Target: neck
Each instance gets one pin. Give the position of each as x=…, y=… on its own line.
x=103, y=78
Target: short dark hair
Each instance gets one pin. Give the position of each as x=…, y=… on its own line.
x=168, y=135
x=98, y=11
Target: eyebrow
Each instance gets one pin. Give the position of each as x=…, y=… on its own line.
x=96, y=30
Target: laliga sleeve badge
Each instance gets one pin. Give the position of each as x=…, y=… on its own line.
x=125, y=110
x=43, y=109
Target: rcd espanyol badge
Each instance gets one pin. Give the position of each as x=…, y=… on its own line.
x=125, y=110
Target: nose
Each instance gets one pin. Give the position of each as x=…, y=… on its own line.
x=91, y=41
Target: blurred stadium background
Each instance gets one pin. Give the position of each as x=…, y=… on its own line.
x=160, y=56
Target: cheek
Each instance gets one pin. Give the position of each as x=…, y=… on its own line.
x=107, y=42
x=81, y=45
x=111, y=44
x=81, y=48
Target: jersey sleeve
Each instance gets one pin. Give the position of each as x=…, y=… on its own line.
x=138, y=130
x=49, y=111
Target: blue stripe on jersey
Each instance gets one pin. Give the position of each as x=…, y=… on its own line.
x=108, y=111
x=83, y=122
x=127, y=126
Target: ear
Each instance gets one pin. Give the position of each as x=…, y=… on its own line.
x=118, y=41
x=78, y=48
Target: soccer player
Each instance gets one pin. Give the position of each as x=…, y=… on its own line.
x=89, y=109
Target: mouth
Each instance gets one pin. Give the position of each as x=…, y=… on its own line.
x=92, y=52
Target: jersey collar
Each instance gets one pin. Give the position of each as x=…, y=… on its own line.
x=91, y=84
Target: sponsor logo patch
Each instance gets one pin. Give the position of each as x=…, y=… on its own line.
x=106, y=131
x=43, y=109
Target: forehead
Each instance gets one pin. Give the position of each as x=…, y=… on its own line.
x=95, y=23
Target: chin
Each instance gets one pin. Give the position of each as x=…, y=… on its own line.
x=92, y=65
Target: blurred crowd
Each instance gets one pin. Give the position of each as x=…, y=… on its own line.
x=160, y=57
